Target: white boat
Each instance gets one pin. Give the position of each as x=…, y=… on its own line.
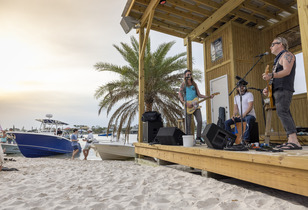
x=10, y=148
x=115, y=151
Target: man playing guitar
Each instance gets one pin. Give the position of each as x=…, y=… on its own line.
x=283, y=87
x=189, y=89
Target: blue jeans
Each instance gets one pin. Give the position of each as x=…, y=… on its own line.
x=249, y=119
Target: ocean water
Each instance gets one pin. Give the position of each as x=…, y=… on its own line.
x=104, y=139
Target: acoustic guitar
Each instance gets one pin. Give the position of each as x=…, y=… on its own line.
x=195, y=102
x=270, y=89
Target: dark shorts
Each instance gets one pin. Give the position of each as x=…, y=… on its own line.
x=75, y=147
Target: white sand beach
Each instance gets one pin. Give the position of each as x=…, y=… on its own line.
x=48, y=183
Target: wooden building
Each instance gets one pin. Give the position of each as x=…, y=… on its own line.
x=232, y=33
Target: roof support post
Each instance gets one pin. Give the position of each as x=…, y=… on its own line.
x=187, y=43
x=141, y=85
x=146, y=18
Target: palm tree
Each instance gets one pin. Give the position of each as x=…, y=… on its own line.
x=163, y=76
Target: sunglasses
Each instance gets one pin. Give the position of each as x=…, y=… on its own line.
x=273, y=44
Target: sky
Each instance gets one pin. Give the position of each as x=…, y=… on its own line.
x=48, y=50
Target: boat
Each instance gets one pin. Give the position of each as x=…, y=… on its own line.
x=10, y=148
x=105, y=134
x=115, y=151
x=44, y=142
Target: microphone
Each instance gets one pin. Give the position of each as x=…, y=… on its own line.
x=241, y=81
x=266, y=53
x=252, y=88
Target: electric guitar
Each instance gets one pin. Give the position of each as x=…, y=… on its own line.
x=195, y=102
x=269, y=89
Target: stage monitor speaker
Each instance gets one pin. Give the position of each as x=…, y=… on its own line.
x=216, y=137
x=170, y=136
x=150, y=130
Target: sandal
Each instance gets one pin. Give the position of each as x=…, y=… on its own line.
x=281, y=145
x=291, y=146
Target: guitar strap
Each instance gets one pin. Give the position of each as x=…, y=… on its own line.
x=276, y=62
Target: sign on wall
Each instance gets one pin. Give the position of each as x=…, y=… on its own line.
x=216, y=50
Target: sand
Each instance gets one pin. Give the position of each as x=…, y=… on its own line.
x=48, y=183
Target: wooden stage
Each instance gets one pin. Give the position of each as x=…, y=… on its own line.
x=287, y=171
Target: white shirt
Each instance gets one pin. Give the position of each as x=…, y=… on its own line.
x=246, y=98
x=90, y=136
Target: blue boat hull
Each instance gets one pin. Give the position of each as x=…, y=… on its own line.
x=34, y=145
x=109, y=134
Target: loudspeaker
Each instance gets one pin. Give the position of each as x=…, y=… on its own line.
x=254, y=133
x=150, y=130
x=216, y=137
x=170, y=136
x=128, y=23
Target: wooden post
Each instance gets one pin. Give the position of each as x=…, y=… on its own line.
x=187, y=43
x=207, y=84
x=302, y=7
x=141, y=85
x=268, y=126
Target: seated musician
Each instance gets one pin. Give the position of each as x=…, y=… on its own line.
x=248, y=116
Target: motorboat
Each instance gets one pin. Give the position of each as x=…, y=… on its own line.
x=10, y=148
x=45, y=142
x=115, y=151
x=105, y=134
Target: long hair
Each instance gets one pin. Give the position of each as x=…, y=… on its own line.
x=185, y=81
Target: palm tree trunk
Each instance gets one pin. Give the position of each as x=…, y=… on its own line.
x=148, y=107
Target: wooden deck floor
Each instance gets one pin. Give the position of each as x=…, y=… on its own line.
x=287, y=171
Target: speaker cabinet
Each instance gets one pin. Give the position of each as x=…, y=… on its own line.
x=170, y=136
x=150, y=130
x=254, y=133
x=216, y=137
x=128, y=23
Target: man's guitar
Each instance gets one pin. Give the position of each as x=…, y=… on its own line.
x=195, y=104
x=269, y=89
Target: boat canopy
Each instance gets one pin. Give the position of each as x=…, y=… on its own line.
x=49, y=121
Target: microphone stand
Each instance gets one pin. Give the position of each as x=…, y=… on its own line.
x=239, y=84
x=262, y=101
x=185, y=107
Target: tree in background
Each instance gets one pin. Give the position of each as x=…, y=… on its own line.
x=163, y=76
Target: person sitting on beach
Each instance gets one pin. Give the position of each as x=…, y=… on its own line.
x=74, y=143
x=88, y=145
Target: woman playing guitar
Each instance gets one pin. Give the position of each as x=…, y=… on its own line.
x=188, y=92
